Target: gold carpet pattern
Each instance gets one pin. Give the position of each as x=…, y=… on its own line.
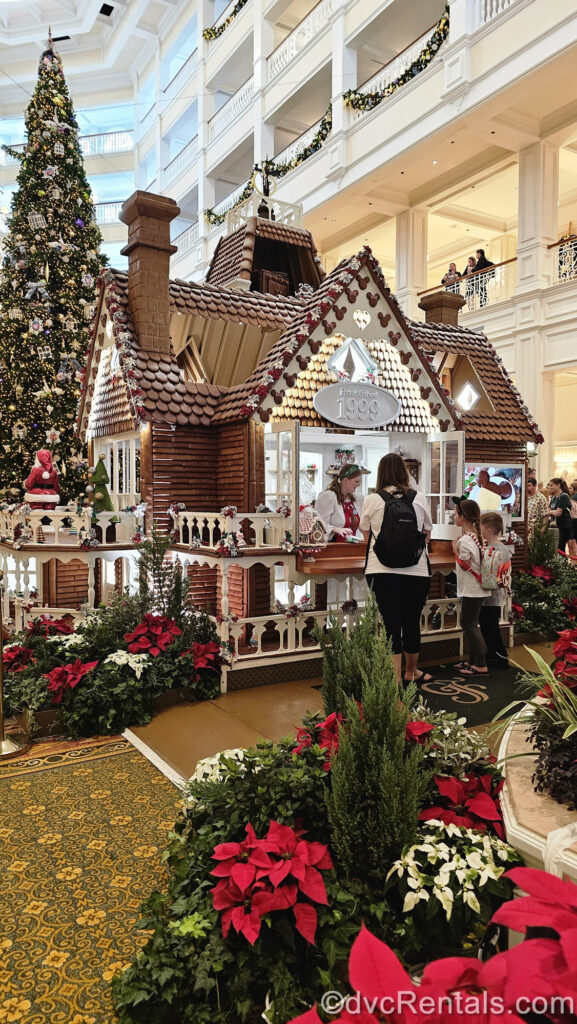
x=82, y=828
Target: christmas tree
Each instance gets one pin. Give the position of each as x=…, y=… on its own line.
x=101, y=500
x=47, y=291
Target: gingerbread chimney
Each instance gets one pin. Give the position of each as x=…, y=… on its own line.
x=442, y=307
x=149, y=250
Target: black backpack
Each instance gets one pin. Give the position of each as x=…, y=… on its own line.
x=400, y=543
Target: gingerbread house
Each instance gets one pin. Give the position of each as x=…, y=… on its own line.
x=225, y=405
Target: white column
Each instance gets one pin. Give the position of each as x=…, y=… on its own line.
x=206, y=184
x=263, y=46
x=537, y=219
x=538, y=391
x=411, y=258
x=344, y=76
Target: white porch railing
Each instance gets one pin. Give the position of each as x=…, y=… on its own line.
x=108, y=142
x=23, y=613
x=230, y=110
x=268, y=636
x=391, y=71
x=182, y=75
x=107, y=213
x=563, y=256
x=287, y=154
x=309, y=28
x=257, y=529
x=484, y=287
x=492, y=8
x=187, y=238
x=61, y=528
x=282, y=213
x=182, y=161
x=231, y=199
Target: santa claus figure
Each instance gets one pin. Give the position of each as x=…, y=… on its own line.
x=42, y=487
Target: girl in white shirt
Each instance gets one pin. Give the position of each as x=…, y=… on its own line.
x=337, y=506
x=468, y=549
x=400, y=593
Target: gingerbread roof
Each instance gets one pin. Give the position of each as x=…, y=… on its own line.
x=235, y=256
x=514, y=419
x=143, y=385
x=215, y=303
x=284, y=382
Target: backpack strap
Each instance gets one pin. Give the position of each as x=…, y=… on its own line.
x=409, y=496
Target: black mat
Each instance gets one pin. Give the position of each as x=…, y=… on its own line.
x=476, y=698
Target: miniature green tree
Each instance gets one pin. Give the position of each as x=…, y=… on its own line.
x=347, y=659
x=47, y=289
x=101, y=500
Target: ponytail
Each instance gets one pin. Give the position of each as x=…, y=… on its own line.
x=472, y=513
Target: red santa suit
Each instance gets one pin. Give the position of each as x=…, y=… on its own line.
x=42, y=486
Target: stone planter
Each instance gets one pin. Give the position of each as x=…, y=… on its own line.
x=543, y=831
x=530, y=639
x=19, y=723
x=46, y=723
x=178, y=695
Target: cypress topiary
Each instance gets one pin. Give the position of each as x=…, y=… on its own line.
x=347, y=659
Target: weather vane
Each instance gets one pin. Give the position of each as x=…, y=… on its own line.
x=267, y=171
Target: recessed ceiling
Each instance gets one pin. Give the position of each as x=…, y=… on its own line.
x=24, y=22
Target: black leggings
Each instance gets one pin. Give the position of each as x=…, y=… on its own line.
x=566, y=533
x=400, y=600
x=489, y=623
x=470, y=612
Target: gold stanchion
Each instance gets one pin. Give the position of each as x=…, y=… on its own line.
x=14, y=744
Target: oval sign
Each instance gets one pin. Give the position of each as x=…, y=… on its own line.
x=352, y=404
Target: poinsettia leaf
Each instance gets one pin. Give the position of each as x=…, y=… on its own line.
x=544, y=885
x=243, y=876
x=374, y=970
x=312, y=885
x=484, y=807
x=306, y=921
x=453, y=789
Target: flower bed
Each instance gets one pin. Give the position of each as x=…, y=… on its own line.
x=283, y=853
x=544, y=596
x=106, y=674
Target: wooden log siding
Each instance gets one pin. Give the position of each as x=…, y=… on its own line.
x=180, y=467
x=240, y=465
x=504, y=453
x=203, y=587
x=68, y=583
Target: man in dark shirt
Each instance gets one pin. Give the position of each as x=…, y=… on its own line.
x=483, y=264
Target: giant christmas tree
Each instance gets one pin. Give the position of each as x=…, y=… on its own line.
x=47, y=290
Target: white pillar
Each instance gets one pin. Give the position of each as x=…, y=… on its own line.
x=537, y=219
x=206, y=184
x=411, y=258
x=538, y=392
x=263, y=46
x=344, y=74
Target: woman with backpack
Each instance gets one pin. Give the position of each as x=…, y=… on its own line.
x=468, y=550
x=396, y=524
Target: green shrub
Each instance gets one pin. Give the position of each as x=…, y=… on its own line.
x=347, y=660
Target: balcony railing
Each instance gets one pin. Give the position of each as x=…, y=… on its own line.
x=100, y=144
x=231, y=199
x=62, y=528
x=395, y=68
x=309, y=28
x=484, y=287
x=182, y=75
x=228, y=113
x=492, y=8
x=563, y=257
x=287, y=154
x=182, y=161
x=107, y=213
x=109, y=142
x=186, y=239
x=227, y=11
x=254, y=529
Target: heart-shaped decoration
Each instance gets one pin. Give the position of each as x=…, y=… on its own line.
x=361, y=318
x=49, y=409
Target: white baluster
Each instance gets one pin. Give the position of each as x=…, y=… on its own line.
x=26, y=579
x=91, y=590
x=17, y=578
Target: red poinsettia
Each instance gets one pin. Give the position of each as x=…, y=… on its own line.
x=566, y=645
x=16, y=659
x=325, y=735
x=154, y=634
x=66, y=677
x=45, y=626
x=417, y=732
x=541, y=572
x=550, y=903
x=207, y=656
x=457, y=989
x=259, y=876
x=472, y=803
x=570, y=607
x=517, y=611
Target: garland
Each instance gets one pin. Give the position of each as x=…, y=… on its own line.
x=279, y=170
x=368, y=100
x=217, y=30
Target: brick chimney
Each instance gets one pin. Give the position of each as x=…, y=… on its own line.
x=442, y=307
x=149, y=250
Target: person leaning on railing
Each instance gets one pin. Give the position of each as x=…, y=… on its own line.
x=470, y=287
x=483, y=264
x=451, y=279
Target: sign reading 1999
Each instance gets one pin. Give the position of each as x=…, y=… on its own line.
x=357, y=405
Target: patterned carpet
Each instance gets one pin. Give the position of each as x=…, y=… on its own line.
x=82, y=827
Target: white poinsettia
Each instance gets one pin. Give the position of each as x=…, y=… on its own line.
x=137, y=662
x=72, y=640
